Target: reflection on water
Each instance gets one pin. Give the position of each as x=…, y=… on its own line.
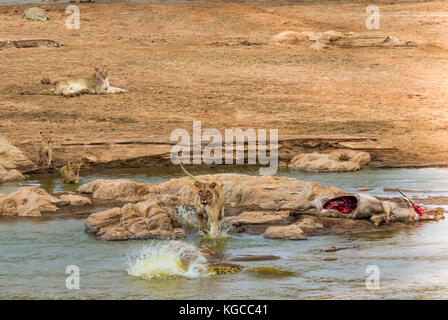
x=413, y=262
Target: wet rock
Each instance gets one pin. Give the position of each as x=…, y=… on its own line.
x=101, y=219
x=309, y=223
x=27, y=202
x=10, y=175
x=334, y=249
x=73, y=200
x=330, y=259
x=146, y=220
x=243, y=192
x=119, y=189
x=262, y=257
x=260, y=217
x=338, y=160
x=291, y=232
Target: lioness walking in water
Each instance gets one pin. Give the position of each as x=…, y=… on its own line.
x=45, y=149
x=98, y=83
x=211, y=199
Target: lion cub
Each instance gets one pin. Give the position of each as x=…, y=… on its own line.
x=46, y=149
x=211, y=200
x=98, y=83
x=70, y=173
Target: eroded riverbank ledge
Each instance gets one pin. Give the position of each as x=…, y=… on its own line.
x=278, y=207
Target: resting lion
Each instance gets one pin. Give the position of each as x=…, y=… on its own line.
x=98, y=83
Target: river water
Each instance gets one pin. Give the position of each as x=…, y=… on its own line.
x=413, y=263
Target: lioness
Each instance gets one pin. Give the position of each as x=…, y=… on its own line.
x=45, y=149
x=70, y=173
x=98, y=83
x=211, y=199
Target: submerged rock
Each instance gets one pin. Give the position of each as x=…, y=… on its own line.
x=291, y=232
x=334, y=249
x=338, y=160
x=144, y=220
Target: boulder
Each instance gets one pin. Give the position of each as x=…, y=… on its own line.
x=12, y=159
x=242, y=192
x=145, y=220
x=10, y=175
x=101, y=219
x=291, y=232
x=260, y=217
x=34, y=201
x=27, y=202
x=119, y=189
x=73, y=200
x=338, y=160
x=308, y=223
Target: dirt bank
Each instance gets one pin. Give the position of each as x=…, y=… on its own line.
x=215, y=62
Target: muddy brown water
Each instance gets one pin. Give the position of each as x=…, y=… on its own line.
x=413, y=262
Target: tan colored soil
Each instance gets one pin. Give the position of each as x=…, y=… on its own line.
x=214, y=62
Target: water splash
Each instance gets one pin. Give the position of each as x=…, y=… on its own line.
x=166, y=260
x=187, y=216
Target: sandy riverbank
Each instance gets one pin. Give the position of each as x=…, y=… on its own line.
x=215, y=62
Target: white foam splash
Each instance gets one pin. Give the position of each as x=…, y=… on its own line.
x=166, y=260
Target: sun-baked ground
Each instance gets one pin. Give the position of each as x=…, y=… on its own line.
x=215, y=62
